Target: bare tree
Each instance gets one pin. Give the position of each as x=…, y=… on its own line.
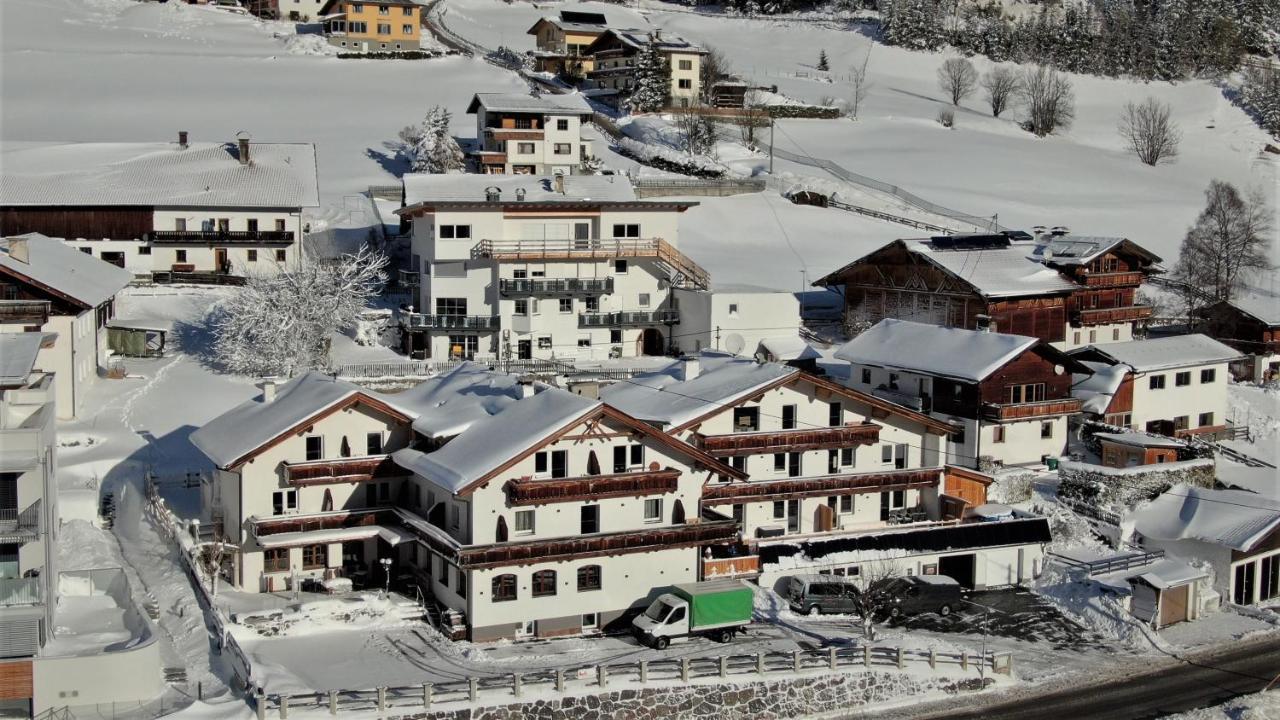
x=697, y=132
x=752, y=119
x=212, y=555
x=1049, y=99
x=1228, y=241
x=714, y=68
x=1149, y=130
x=858, y=79
x=873, y=601
x=1001, y=84
x=957, y=78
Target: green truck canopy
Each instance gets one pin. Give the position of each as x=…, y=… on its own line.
x=717, y=602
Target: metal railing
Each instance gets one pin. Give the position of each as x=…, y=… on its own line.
x=556, y=286
x=623, y=319
x=684, y=269
x=26, y=521
x=221, y=236
x=1102, y=566
x=20, y=591
x=450, y=322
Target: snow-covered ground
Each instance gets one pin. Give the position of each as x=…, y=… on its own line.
x=1259, y=706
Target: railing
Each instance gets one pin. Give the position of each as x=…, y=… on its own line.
x=221, y=236
x=28, y=312
x=408, y=279
x=688, y=272
x=627, y=484
x=622, y=319
x=1099, y=316
x=1103, y=566
x=346, y=470
x=743, y=565
x=20, y=591
x=789, y=440
x=450, y=322
x=427, y=368
x=558, y=286
x=552, y=549
x=1113, y=279
x=164, y=277
x=25, y=522
x=1020, y=411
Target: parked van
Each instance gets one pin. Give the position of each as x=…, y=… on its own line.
x=920, y=594
x=822, y=594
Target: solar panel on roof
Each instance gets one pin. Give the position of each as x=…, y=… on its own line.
x=969, y=242
x=586, y=18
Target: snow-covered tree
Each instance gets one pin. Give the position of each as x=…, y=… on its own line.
x=1260, y=93
x=652, y=80
x=823, y=64
x=697, y=131
x=281, y=324
x=429, y=146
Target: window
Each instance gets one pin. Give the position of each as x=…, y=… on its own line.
x=146, y=250
x=637, y=456
x=866, y=376
x=846, y=503
x=566, y=305
x=179, y=255
x=358, y=27
x=1182, y=379
x=465, y=346
x=453, y=307
x=686, y=65
x=644, y=300
x=615, y=335
x=315, y=447
x=563, y=149
x=1206, y=419
x=957, y=437
x=558, y=465
x=997, y=434
x=793, y=464
x=779, y=509
x=788, y=417
x=522, y=307
x=684, y=84
x=893, y=381
x=276, y=560
x=454, y=232
x=779, y=462
x=746, y=419
x=504, y=588
x=590, y=621
x=739, y=463
x=251, y=224
x=835, y=414
x=733, y=309
x=180, y=224
x=591, y=304
x=280, y=226
x=562, y=124
x=524, y=123
x=589, y=578
x=589, y=517
x=373, y=443
x=653, y=510
x=1208, y=375
x=626, y=231
x=1115, y=335
x=408, y=11
x=544, y=342
x=1046, y=429
x=1182, y=422
x=314, y=556
x=455, y=517
x=251, y=255
x=584, y=342
x=384, y=10
x=524, y=148
x=284, y=501
x=544, y=583
x=224, y=224
x=848, y=457
x=620, y=267
x=460, y=581
x=281, y=254
x=1031, y=392
x=886, y=453
x=1156, y=382
x=406, y=29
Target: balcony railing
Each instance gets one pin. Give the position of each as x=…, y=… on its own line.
x=16, y=524
x=515, y=133
x=552, y=550
x=346, y=470
x=1102, y=316
x=731, y=567
x=631, y=484
x=1022, y=411
x=222, y=237
x=450, y=322
x=558, y=286
x=20, y=591
x=27, y=312
x=684, y=270
x=408, y=279
x=1113, y=279
x=789, y=440
x=625, y=319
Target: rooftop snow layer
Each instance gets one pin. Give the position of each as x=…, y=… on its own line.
x=1236, y=519
x=662, y=397
x=66, y=270
x=786, y=348
x=667, y=42
x=568, y=104
x=244, y=428
x=1263, y=305
x=1143, y=440
x=279, y=175
x=492, y=441
x=996, y=272
x=1073, y=249
x=431, y=188
x=932, y=350
x=1168, y=573
x=1097, y=390
x=450, y=403
x=18, y=353
x=1166, y=353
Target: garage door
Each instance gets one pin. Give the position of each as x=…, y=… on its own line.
x=958, y=567
x=1173, y=605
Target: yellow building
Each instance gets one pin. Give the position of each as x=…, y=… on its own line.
x=385, y=26
x=562, y=42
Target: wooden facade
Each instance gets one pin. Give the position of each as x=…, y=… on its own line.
x=332, y=472
x=789, y=440
x=1119, y=455
x=525, y=491
x=716, y=532
x=967, y=485
x=791, y=488
x=81, y=221
x=1244, y=332
x=16, y=680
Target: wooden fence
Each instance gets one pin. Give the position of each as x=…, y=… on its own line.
x=507, y=689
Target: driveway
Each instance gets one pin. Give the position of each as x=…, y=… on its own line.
x=1015, y=613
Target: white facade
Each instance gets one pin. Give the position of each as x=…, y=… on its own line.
x=301, y=10
x=75, y=356
x=1193, y=397
x=734, y=319
x=1078, y=337
x=531, y=142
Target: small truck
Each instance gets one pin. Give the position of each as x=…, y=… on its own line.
x=718, y=609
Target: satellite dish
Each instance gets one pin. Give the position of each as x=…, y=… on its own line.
x=734, y=343
x=1058, y=369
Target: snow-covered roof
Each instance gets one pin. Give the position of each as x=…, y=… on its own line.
x=932, y=350
x=1081, y=249
x=722, y=379
x=569, y=21
x=450, y=403
x=999, y=271
x=1236, y=519
x=548, y=104
x=1264, y=306
x=489, y=442
x=1167, y=573
x=786, y=348
x=389, y=533
x=666, y=41
x=1165, y=353
x=279, y=175
x=54, y=264
x=1142, y=440
x=18, y=353
x=140, y=323
x=1097, y=390
x=443, y=189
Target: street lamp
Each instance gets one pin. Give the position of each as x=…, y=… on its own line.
x=386, y=571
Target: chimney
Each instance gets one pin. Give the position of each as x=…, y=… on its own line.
x=182, y=139
x=492, y=193
x=1059, y=231
x=1037, y=230
x=689, y=368
x=19, y=251
x=527, y=388
x=242, y=139
x=559, y=181
x=268, y=389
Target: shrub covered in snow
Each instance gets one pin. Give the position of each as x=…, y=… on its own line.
x=665, y=158
x=1102, y=486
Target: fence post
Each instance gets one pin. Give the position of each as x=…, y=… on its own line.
x=760, y=663
x=382, y=700
x=602, y=675
x=644, y=671
x=899, y=658
x=795, y=661
x=933, y=658
x=831, y=657
x=426, y=695
x=724, y=666
x=261, y=704
x=964, y=659
x=516, y=684
x=866, y=656
x=333, y=702
x=284, y=707
x=559, y=680
x=684, y=669
x=473, y=688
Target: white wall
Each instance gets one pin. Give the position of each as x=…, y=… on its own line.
x=1189, y=400
x=993, y=566
x=723, y=320
x=1078, y=337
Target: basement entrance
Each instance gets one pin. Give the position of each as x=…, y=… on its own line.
x=959, y=567
x=650, y=342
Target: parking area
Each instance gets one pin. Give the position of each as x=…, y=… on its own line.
x=1013, y=613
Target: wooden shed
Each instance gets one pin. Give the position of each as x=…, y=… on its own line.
x=138, y=337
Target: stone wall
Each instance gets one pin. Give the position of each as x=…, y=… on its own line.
x=763, y=700
x=1122, y=488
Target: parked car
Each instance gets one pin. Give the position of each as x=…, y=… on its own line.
x=919, y=594
x=715, y=608
x=822, y=594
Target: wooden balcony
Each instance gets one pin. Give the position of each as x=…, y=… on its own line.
x=516, y=134
x=221, y=237
x=586, y=546
x=26, y=312
x=686, y=273
x=1114, y=279
x=347, y=470
x=275, y=525
x=628, y=319
x=556, y=286
x=1103, y=316
x=789, y=440
x=731, y=567
x=792, y=488
x=632, y=484
x=414, y=321
x=1006, y=412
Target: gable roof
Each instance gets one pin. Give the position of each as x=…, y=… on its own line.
x=570, y=21
x=453, y=401
x=1235, y=519
x=969, y=355
x=161, y=175
x=568, y=104
x=1165, y=353
x=1096, y=391
x=637, y=38
x=18, y=352
x=62, y=269
x=1071, y=250
x=1261, y=305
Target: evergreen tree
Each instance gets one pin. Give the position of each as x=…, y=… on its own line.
x=652, y=87
x=823, y=65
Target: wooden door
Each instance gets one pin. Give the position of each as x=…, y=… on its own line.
x=220, y=262
x=824, y=518
x=1173, y=605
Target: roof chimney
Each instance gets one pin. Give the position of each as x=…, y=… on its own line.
x=182, y=139
x=242, y=138
x=689, y=368
x=559, y=181
x=527, y=388
x=493, y=193
x=268, y=389
x=18, y=250
x=1059, y=231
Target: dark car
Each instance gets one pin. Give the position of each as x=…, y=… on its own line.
x=918, y=594
x=822, y=594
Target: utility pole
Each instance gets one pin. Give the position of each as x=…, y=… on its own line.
x=771, y=122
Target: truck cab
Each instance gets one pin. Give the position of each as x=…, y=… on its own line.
x=666, y=618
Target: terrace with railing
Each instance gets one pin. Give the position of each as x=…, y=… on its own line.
x=1113, y=279
x=20, y=591
x=1102, y=316
x=687, y=272
x=628, y=484
x=1004, y=412
x=628, y=319
x=20, y=525
x=449, y=322
x=799, y=440
x=346, y=470
x=221, y=237
x=555, y=286
x=26, y=312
